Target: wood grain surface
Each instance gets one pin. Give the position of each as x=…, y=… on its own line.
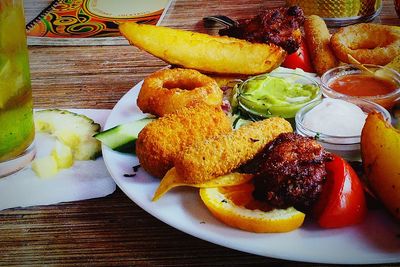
x=113, y=231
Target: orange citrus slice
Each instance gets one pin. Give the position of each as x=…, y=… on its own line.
x=235, y=206
x=173, y=179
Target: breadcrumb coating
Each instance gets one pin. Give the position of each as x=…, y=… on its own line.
x=318, y=41
x=162, y=140
x=224, y=153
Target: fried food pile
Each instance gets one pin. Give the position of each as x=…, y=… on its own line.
x=192, y=141
x=195, y=136
x=279, y=26
x=195, y=145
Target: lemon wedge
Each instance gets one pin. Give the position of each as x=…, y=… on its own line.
x=236, y=207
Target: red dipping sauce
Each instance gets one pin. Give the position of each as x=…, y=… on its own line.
x=362, y=85
x=382, y=87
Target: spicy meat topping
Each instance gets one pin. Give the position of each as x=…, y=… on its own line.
x=280, y=26
x=290, y=171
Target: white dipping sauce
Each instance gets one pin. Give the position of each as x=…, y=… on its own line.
x=335, y=117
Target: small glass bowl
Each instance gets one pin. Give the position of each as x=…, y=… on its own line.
x=288, y=111
x=387, y=101
x=347, y=147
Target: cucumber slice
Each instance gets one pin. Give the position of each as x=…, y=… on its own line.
x=122, y=138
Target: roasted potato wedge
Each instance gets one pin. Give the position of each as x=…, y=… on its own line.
x=380, y=151
x=203, y=52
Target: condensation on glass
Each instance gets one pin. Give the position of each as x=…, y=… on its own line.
x=16, y=115
x=337, y=13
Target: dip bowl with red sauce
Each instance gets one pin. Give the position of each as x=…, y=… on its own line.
x=382, y=86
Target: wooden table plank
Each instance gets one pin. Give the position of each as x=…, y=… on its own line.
x=91, y=77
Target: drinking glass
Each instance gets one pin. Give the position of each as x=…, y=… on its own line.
x=338, y=13
x=16, y=115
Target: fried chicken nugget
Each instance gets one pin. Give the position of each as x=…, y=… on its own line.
x=221, y=155
x=318, y=41
x=160, y=141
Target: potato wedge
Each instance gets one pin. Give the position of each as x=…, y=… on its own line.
x=203, y=52
x=380, y=151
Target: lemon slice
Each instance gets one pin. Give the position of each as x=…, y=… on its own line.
x=173, y=179
x=236, y=207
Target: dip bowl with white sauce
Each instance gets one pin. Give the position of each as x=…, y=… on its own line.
x=337, y=123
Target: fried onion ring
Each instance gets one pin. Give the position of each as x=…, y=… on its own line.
x=368, y=43
x=168, y=90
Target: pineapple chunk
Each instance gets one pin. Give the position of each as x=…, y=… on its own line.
x=90, y=149
x=74, y=130
x=45, y=167
x=63, y=155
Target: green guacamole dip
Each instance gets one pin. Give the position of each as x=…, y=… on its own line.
x=268, y=95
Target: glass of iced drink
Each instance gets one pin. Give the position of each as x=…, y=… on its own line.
x=16, y=116
x=338, y=13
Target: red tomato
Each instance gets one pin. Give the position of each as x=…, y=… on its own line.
x=299, y=59
x=342, y=202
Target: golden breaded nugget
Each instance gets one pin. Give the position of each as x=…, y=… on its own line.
x=318, y=41
x=222, y=154
x=161, y=140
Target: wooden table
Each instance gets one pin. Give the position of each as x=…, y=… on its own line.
x=114, y=230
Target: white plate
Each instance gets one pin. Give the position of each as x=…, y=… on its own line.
x=377, y=240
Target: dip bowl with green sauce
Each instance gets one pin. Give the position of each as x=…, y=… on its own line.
x=277, y=94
